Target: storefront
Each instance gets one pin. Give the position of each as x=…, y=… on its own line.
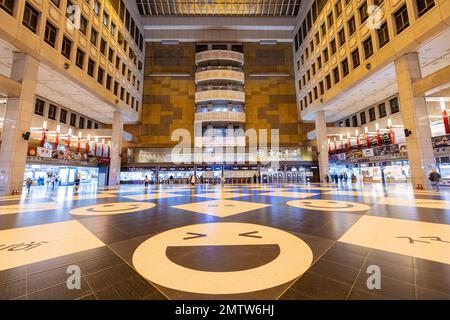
x=65, y=175
x=137, y=175
x=175, y=175
x=240, y=173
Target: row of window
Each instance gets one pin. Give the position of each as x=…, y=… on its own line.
x=82, y=123
x=353, y=120
x=402, y=22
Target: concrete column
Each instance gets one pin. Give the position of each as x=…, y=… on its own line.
x=116, y=149
x=18, y=116
x=322, y=144
x=415, y=118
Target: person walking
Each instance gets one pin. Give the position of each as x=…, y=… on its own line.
x=192, y=181
x=28, y=184
x=77, y=182
x=435, y=178
x=146, y=181
x=53, y=179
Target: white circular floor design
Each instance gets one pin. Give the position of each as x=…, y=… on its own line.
x=112, y=208
x=151, y=261
x=328, y=205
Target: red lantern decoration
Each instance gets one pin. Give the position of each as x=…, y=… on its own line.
x=445, y=118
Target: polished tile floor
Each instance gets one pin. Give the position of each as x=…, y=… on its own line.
x=285, y=241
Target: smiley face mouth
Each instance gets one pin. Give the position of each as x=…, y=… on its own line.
x=223, y=258
x=132, y=207
x=307, y=204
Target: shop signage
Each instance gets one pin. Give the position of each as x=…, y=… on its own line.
x=38, y=154
x=382, y=153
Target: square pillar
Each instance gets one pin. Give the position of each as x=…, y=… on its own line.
x=322, y=144
x=415, y=118
x=116, y=149
x=18, y=115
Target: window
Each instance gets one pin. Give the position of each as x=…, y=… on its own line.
x=362, y=117
x=52, y=112
x=308, y=75
x=319, y=62
x=313, y=68
x=372, y=116
x=30, y=17
x=124, y=69
x=73, y=119
x=89, y=124
x=117, y=62
x=333, y=46
x=355, y=58
x=317, y=38
x=363, y=15
x=351, y=26
x=96, y=125
x=108, y=82
x=382, y=110
x=321, y=88
x=110, y=55
x=7, y=5
x=383, y=35
x=80, y=58
x=122, y=93
x=310, y=97
x=325, y=55
x=341, y=37
x=105, y=18
x=50, y=34
x=102, y=46
x=311, y=45
x=81, y=123
x=336, y=75
x=63, y=116
x=368, y=48
x=113, y=29
x=323, y=28
x=345, y=68
x=401, y=19
x=395, y=107
x=347, y=123
x=338, y=8
x=91, y=67
x=66, y=48
x=423, y=6
x=330, y=20
x=96, y=7
x=68, y=12
x=83, y=25
x=116, y=87
x=354, y=121
x=94, y=36
x=100, y=75
x=315, y=93
x=39, y=107
x=328, y=81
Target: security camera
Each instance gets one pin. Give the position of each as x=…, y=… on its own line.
x=368, y=66
x=26, y=136
x=66, y=65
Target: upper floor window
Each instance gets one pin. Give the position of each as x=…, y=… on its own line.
x=330, y=20
x=423, y=6
x=328, y=81
x=39, y=107
x=341, y=36
x=100, y=75
x=345, y=69
x=66, y=48
x=319, y=62
x=7, y=5
x=325, y=55
x=368, y=47
x=89, y=124
x=383, y=35
x=336, y=74
x=351, y=26
x=63, y=116
x=52, y=112
x=355, y=58
x=73, y=119
x=362, y=117
x=91, y=67
x=354, y=121
x=81, y=123
x=56, y=2
x=401, y=19
x=338, y=8
x=96, y=7
x=105, y=18
x=395, y=107
x=80, y=58
x=323, y=28
x=103, y=46
x=333, y=46
x=363, y=14
x=30, y=17
x=372, y=116
x=347, y=122
x=94, y=36
x=113, y=29
x=382, y=110
x=83, y=25
x=50, y=34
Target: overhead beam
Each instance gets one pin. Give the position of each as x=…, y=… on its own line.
x=9, y=88
x=432, y=83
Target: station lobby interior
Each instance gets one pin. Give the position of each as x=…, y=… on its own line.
x=249, y=230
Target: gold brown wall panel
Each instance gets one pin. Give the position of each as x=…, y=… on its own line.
x=270, y=100
x=169, y=93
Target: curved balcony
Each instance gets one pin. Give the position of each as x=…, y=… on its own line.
x=220, y=116
x=219, y=74
x=214, y=55
x=219, y=95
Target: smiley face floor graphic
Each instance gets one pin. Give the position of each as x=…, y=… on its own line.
x=328, y=205
x=112, y=208
x=282, y=258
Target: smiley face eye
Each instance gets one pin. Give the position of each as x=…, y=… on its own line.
x=250, y=234
x=194, y=235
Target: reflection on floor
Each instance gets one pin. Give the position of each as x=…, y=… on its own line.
x=285, y=241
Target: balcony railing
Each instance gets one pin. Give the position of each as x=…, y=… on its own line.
x=220, y=116
x=219, y=55
x=212, y=75
x=219, y=95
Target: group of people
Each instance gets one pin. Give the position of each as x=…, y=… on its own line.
x=340, y=178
